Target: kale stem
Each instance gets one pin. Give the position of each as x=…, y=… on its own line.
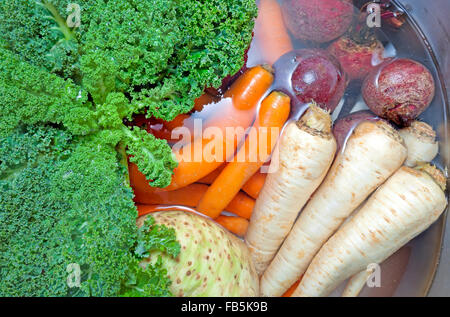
x=121, y=150
x=68, y=34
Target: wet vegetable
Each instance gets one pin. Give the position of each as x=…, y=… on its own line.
x=399, y=90
x=343, y=127
x=319, y=78
x=318, y=20
x=212, y=261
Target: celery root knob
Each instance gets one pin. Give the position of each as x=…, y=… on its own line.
x=316, y=119
x=435, y=173
x=423, y=131
x=420, y=139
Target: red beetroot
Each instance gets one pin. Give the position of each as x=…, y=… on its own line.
x=318, y=77
x=357, y=59
x=318, y=20
x=399, y=90
x=344, y=126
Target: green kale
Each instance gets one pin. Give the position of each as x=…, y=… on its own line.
x=66, y=200
x=66, y=97
x=162, y=54
x=151, y=280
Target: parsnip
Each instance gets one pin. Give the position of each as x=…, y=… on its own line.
x=403, y=207
x=372, y=153
x=306, y=151
x=420, y=140
x=356, y=284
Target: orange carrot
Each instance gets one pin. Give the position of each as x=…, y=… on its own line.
x=252, y=187
x=273, y=113
x=211, y=177
x=189, y=196
x=186, y=196
x=255, y=184
x=291, y=290
x=243, y=97
x=241, y=205
x=271, y=32
x=236, y=225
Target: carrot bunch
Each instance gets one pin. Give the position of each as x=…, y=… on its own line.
x=199, y=184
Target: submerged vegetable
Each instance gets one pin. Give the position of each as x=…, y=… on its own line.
x=420, y=139
x=274, y=40
x=306, y=151
x=211, y=262
x=318, y=78
x=358, y=51
x=255, y=151
x=318, y=20
x=241, y=204
x=406, y=205
x=399, y=90
x=357, y=59
x=236, y=225
x=373, y=153
x=194, y=159
x=344, y=127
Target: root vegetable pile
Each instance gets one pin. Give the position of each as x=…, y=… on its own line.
x=306, y=151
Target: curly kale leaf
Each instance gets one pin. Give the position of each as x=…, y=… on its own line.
x=30, y=95
x=37, y=32
x=65, y=200
x=151, y=280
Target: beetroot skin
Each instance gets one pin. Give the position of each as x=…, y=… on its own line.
x=357, y=60
x=344, y=126
x=318, y=77
x=399, y=90
x=318, y=20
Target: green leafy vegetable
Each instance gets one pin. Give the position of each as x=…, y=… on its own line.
x=151, y=280
x=66, y=97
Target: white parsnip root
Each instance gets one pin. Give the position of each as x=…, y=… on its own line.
x=372, y=153
x=356, y=284
x=306, y=151
x=403, y=207
x=420, y=140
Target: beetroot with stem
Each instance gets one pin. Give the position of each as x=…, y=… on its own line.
x=359, y=51
x=399, y=90
x=357, y=59
x=318, y=20
x=318, y=77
